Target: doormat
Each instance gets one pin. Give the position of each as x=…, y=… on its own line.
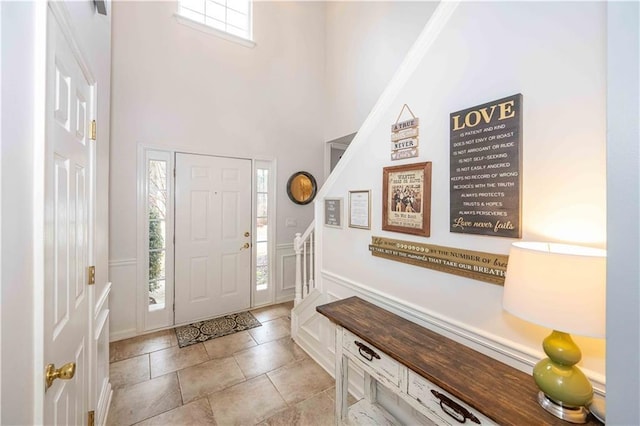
x=202, y=331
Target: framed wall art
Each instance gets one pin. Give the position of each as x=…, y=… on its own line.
x=360, y=209
x=333, y=212
x=406, y=199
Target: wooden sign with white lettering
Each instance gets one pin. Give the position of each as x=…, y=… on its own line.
x=485, y=169
x=478, y=265
x=404, y=136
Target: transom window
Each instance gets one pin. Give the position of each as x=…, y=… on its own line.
x=229, y=16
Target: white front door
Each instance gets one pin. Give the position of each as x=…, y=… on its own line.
x=68, y=245
x=213, y=236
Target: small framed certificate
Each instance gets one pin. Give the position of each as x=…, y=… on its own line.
x=360, y=209
x=333, y=212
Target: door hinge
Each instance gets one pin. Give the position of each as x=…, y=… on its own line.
x=174, y=172
x=91, y=418
x=92, y=275
x=94, y=130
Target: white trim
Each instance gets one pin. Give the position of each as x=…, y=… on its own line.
x=140, y=239
x=119, y=263
x=214, y=31
x=285, y=246
x=39, y=174
x=1, y=208
x=521, y=357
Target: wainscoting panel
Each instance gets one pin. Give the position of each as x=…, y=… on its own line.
x=123, y=299
x=285, y=273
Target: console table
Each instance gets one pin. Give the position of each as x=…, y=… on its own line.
x=447, y=382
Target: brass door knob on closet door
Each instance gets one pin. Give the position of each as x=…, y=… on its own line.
x=66, y=372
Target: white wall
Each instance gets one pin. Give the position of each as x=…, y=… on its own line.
x=179, y=88
x=623, y=197
x=552, y=53
x=18, y=96
x=365, y=43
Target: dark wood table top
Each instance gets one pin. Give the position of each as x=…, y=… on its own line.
x=504, y=394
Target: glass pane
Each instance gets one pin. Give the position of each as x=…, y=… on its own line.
x=156, y=209
x=157, y=234
x=215, y=24
x=262, y=205
x=236, y=19
x=262, y=277
x=263, y=180
x=241, y=6
x=195, y=5
x=261, y=254
x=187, y=13
x=157, y=189
x=261, y=231
x=156, y=264
x=156, y=294
x=216, y=11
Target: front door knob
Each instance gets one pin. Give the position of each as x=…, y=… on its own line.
x=66, y=372
x=245, y=246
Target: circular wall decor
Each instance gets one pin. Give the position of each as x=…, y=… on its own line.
x=301, y=188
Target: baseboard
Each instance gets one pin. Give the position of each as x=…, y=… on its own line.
x=123, y=334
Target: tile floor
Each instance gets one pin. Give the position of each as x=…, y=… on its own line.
x=259, y=376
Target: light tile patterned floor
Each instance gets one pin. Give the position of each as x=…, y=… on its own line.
x=258, y=376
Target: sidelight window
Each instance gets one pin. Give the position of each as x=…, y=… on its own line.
x=156, y=244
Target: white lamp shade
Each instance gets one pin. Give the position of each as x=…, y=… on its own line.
x=558, y=286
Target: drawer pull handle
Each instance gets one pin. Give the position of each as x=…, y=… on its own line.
x=366, y=352
x=453, y=409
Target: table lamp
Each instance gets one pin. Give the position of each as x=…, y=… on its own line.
x=561, y=287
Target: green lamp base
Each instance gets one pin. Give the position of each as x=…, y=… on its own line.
x=565, y=390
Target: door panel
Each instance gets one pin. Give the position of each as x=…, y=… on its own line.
x=69, y=176
x=213, y=213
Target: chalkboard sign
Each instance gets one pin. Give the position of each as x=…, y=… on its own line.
x=333, y=212
x=485, y=169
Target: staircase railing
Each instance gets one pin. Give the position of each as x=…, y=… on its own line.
x=304, y=245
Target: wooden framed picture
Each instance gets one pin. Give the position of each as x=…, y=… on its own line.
x=333, y=212
x=406, y=199
x=360, y=209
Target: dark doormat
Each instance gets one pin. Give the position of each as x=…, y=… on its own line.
x=202, y=331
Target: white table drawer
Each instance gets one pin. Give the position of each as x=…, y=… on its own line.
x=372, y=357
x=448, y=409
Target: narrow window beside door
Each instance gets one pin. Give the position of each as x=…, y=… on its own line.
x=262, y=218
x=157, y=209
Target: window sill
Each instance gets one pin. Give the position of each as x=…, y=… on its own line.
x=213, y=31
